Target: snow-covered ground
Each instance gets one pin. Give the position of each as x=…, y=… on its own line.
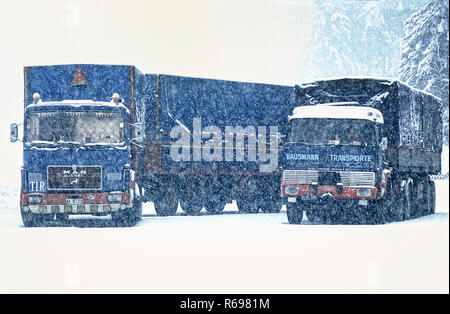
x=230, y=253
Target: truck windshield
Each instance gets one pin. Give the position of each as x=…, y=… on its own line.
x=316, y=131
x=74, y=127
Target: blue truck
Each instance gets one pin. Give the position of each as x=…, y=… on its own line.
x=361, y=150
x=231, y=131
x=83, y=154
x=79, y=149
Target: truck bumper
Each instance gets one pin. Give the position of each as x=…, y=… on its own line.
x=310, y=192
x=92, y=203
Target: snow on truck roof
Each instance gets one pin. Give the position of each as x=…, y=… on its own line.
x=72, y=102
x=385, y=80
x=77, y=103
x=381, y=80
x=337, y=111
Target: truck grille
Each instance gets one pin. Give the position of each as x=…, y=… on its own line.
x=348, y=178
x=74, y=177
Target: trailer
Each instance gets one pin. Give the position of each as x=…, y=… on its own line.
x=361, y=150
x=231, y=146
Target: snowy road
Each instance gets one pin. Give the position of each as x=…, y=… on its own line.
x=231, y=253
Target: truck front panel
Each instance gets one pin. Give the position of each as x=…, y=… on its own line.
x=342, y=171
x=76, y=158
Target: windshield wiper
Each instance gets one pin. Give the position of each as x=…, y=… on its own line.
x=42, y=143
x=68, y=143
x=105, y=144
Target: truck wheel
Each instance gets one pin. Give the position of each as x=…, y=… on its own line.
x=312, y=217
x=191, y=206
x=270, y=206
x=406, y=202
x=214, y=207
x=431, y=198
x=360, y=217
x=247, y=202
x=167, y=204
x=395, y=200
x=294, y=213
x=62, y=218
x=340, y=218
x=30, y=219
x=135, y=214
x=128, y=217
x=376, y=213
x=389, y=202
x=351, y=215
x=247, y=206
x=418, y=204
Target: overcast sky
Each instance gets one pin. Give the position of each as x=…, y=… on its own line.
x=257, y=41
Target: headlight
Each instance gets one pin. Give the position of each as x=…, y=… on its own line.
x=34, y=199
x=291, y=190
x=116, y=197
x=363, y=192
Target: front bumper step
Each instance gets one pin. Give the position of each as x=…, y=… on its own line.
x=74, y=209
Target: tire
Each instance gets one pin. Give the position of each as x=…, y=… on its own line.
x=271, y=206
x=389, y=202
x=129, y=217
x=30, y=219
x=191, y=206
x=360, y=218
x=313, y=217
x=352, y=215
x=214, y=207
x=62, y=218
x=248, y=201
x=339, y=218
x=335, y=214
x=294, y=213
x=431, y=199
x=406, y=202
x=247, y=206
x=418, y=204
x=167, y=203
x=396, y=201
x=376, y=213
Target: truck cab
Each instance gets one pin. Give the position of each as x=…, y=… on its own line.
x=333, y=156
x=76, y=160
x=361, y=150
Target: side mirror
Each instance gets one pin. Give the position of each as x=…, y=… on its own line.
x=138, y=132
x=13, y=133
x=384, y=143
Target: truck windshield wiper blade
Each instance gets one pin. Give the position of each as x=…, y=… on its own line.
x=105, y=144
x=301, y=143
x=69, y=142
x=42, y=143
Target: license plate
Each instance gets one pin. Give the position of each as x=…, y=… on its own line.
x=292, y=199
x=363, y=202
x=74, y=201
